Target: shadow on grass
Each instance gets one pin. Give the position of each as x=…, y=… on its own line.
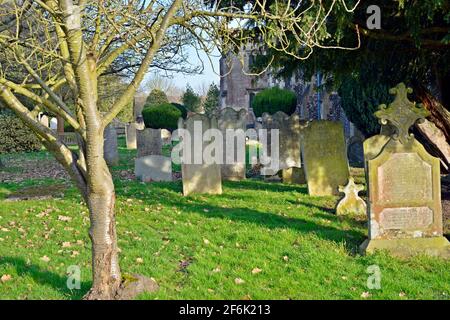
x=45, y=277
x=351, y=238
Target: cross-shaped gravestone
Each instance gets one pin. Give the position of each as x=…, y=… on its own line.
x=351, y=203
x=401, y=113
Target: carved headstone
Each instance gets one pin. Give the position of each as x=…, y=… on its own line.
x=198, y=176
x=130, y=133
x=232, y=124
x=153, y=168
x=324, y=156
x=149, y=142
x=110, y=150
x=351, y=203
x=405, y=214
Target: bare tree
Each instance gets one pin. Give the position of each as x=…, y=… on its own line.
x=71, y=43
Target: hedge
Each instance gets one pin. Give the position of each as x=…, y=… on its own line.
x=274, y=99
x=15, y=136
x=161, y=116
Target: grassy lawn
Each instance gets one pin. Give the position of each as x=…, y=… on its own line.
x=197, y=247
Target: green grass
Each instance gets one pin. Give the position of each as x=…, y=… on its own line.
x=195, y=247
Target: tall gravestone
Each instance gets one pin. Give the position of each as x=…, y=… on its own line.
x=289, y=133
x=130, y=135
x=110, y=150
x=405, y=213
x=149, y=142
x=325, y=157
x=232, y=124
x=198, y=176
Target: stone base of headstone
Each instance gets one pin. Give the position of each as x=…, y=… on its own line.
x=153, y=168
x=294, y=176
x=201, y=179
x=436, y=246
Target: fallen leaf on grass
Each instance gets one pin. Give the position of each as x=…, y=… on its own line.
x=5, y=277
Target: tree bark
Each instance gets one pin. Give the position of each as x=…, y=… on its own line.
x=105, y=263
x=440, y=116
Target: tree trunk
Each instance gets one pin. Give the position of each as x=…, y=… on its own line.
x=105, y=263
x=440, y=116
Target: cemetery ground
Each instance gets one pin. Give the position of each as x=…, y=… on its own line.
x=258, y=240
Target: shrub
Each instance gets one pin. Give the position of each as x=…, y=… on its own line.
x=15, y=136
x=274, y=99
x=181, y=108
x=156, y=97
x=161, y=116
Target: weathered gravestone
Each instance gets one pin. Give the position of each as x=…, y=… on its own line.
x=198, y=175
x=130, y=134
x=149, y=142
x=153, y=168
x=110, y=150
x=289, y=135
x=232, y=124
x=405, y=214
x=324, y=156
x=351, y=203
x=294, y=176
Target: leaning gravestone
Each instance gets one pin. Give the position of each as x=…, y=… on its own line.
x=198, y=176
x=405, y=214
x=153, y=168
x=110, y=150
x=289, y=133
x=149, y=142
x=324, y=156
x=232, y=124
x=130, y=133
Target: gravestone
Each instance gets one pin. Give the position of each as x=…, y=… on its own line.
x=130, y=135
x=351, y=203
x=44, y=121
x=166, y=137
x=198, y=176
x=325, y=157
x=232, y=124
x=153, y=168
x=405, y=214
x=53, y=124
x=149, y=142
x=110, y=150
x=294, y=176
x=289, y=132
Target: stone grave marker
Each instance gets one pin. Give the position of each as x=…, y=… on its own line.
x=232, y=124
x=405, y=214
x=289, y=140
x=197, y=175
x=110, y=150
x=149, y=142
x=351, y=204
x=325, y=157
x=153, y=168
x=130, y=134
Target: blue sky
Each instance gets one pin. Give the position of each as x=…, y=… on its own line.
x=209, y=75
